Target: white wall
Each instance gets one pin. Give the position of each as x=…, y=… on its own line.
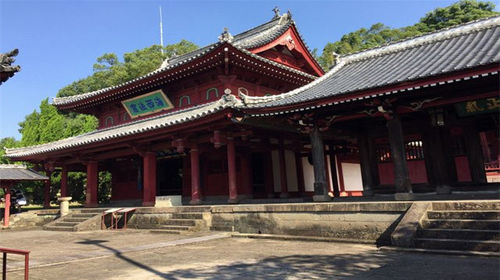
x=308, y=175
x=352, y=176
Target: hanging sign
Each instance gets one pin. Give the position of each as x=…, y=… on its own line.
x=479, y=106
x=147, y=104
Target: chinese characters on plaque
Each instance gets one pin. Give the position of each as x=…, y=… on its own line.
x=479, y=106
x=147, y=104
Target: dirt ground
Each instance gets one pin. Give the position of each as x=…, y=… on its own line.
x=135, y=254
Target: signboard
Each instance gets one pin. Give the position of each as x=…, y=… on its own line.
x=479, y=106
x=146, y=104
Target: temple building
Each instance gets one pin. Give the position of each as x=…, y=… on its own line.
x=254, y=116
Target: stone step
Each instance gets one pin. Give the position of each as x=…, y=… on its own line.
x=465, y=214
x=75, y=220
x=470, y=234
x=179, y=222
x=58, y=228
x=83, y=215
x=458, y=244
x=188, y=216
x=66, y=224
x=175, y=228
x=466, y=205
x=461, y=224
x=93, y=210
x=165, y=231
x=191, y=209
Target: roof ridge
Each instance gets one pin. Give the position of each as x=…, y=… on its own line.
x=252, y=100
x=426, y=38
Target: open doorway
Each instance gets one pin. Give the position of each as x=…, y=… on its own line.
x=169, y=172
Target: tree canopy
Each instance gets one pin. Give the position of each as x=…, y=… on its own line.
x=380, y=34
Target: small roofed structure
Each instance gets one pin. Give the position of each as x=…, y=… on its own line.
x=7, y=70
x=11, y=174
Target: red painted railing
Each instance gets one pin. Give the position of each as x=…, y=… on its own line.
x=26, y=254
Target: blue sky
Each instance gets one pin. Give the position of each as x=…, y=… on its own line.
x=59, y=41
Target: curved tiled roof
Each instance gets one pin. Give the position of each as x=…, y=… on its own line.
x=132, y=128
x=446, y=51
x=15, y=172
x=251, y=38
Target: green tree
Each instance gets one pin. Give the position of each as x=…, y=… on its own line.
x=379, y=34
x=7, y=142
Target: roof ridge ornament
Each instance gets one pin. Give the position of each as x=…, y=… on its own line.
x=225, y=36
x=276, y=11
x=285, y=18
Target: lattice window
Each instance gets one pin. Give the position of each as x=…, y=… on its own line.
x=215, y=90
x=184, y=99
x=414, y=151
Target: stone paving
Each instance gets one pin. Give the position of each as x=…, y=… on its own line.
x=137, y=254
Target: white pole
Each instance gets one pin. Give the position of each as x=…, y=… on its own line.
x=161, y=32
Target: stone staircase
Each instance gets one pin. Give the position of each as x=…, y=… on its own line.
x=182, y=222
x=461, y=226
x=77, y=220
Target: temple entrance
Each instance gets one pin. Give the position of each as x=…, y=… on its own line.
x=169, y=174
x=259, y=163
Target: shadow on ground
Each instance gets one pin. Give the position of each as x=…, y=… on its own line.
x=294, y=266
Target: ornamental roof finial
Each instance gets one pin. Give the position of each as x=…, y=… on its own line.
x=225, y=36
x=276, y=11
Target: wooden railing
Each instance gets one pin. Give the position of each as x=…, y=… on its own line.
x=26, y=254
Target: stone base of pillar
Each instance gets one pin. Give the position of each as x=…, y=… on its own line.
x=64, y=205
x=368, y=192
x=404, y=196
x=234, y=200
x=321, y=198
x=195, y=202
x=443, y=189
x=284, y=195
x=148, y=203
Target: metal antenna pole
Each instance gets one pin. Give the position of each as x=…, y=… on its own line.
x=161, y=32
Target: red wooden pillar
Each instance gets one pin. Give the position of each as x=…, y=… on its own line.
x=92, y=179
x=283, y=180
x=6, y=213
x=64, y=181
x=46, y=190
x=195, y=176
x=149, y=190
x=231, y=171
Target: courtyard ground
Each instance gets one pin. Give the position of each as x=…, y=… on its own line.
x=135, y=254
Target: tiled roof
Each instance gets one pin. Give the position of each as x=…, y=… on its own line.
x=254, y=37
x=136, y=127
x=13, y=172
x=450, y=50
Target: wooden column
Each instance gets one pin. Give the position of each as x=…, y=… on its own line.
x=318, y=157
x=300, y=173
x=64, y=181
x=149, y=190
x=435, y=159
x=46, y=190
x=92, y=179
x=474, y=154
x=231, y=171
x=365, y=148
x=195, y=175
x=6, y=213
x=283, y=179
x=333, y=170
x=396, y=140
x=329, y=187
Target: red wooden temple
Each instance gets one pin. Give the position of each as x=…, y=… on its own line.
x=254, y=116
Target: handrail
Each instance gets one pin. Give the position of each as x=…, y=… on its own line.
x=26, y=254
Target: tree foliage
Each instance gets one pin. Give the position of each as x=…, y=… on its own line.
x=48, y=124
x=380, y=34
